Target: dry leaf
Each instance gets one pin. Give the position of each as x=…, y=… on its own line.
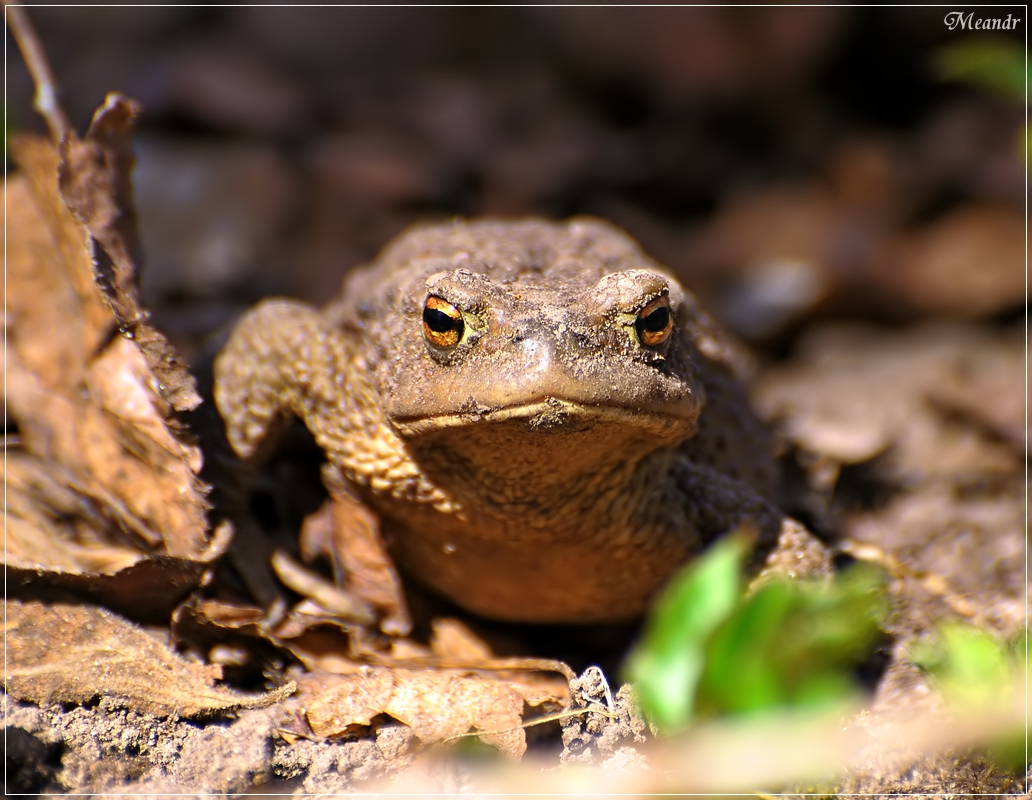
x=218, y=614
x=318, y=642
x=323, y=595
x=855, y=392
x=47, y=260
x=453, y=687
x=347, y=533
x=108, y=476
x=72, y=653
x=448, y=689
x=968, y=264
x=94, y=179
x=451, y=639
x=144, y=485
x=42, y=515
x=436, y=704
x=322, y=647
x=57, y=542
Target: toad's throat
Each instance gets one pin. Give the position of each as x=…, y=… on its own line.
x=553, y=416
x=548, y=467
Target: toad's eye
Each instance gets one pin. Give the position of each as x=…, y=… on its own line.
x=655, y=322
x=442, y=322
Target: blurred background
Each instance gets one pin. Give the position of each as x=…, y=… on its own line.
x=790, y=164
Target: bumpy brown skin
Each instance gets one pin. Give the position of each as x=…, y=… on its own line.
x=550, y=466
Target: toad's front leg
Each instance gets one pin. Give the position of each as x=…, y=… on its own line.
x=282, y=358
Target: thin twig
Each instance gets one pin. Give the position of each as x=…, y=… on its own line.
x=36, y=60
x=529, y=723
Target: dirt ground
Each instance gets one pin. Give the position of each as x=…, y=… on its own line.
x=844, y=208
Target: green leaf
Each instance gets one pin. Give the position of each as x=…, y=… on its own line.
x=709, y=649
x=738, y=675
x=970, y=666
x=666, y=666
x=794, y=644
x=997, y=64
x=977, y=670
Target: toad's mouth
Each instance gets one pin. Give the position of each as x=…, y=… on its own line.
x=553, y=416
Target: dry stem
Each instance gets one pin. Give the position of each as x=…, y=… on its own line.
x=36, y=60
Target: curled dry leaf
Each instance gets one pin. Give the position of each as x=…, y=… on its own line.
x=56, y=318
x=106, y=476
x=445, y=690
x=316, y=638
x=72, y=653
x=436, y=704
x=365, y=588
x=43, y=508
x=347, y=533
x=208, y=623
x=94, y=181
x=59, y=539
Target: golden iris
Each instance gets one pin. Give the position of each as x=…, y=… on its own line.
x=442, y=322
x=655, y=322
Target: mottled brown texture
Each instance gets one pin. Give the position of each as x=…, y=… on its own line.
x=548, y=467
x=94, y=182
x=105, y=497
x=72, y=653
x=438, y=705
x=347, y=532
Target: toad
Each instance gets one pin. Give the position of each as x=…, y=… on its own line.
x=546, y=422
